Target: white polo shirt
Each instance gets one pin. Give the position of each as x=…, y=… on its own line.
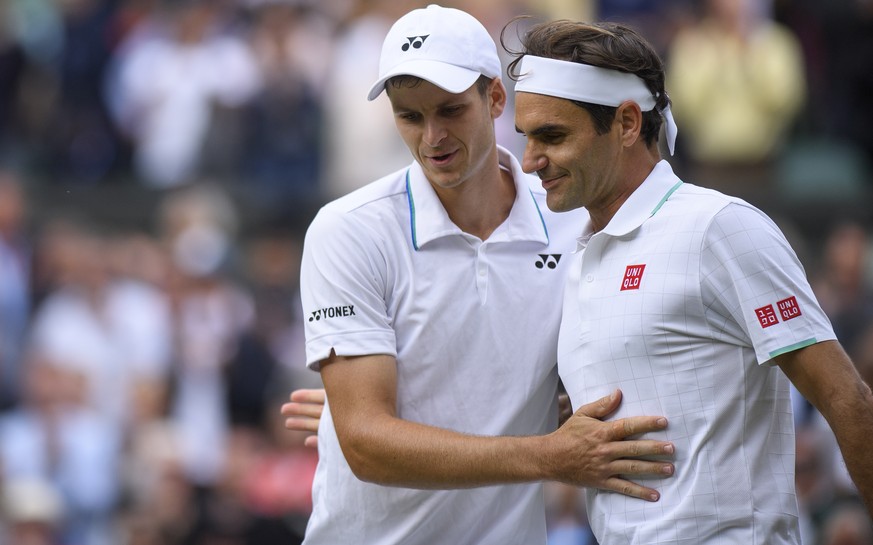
x=682, y=301
x=473, y=326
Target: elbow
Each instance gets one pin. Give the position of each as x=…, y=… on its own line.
x=364, y=459
x=361, y=465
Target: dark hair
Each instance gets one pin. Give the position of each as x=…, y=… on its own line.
x=407, y=81
x=606, y=45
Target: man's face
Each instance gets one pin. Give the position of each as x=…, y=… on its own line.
x=576, y=165
x=450, y=135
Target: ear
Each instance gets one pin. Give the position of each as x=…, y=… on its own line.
x=497, y=95
x=630, y=118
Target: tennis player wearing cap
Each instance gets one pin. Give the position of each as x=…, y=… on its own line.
x=690, y=301
x=432, y=298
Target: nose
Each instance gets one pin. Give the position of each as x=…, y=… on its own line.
x=533, y=160
x=434, y=133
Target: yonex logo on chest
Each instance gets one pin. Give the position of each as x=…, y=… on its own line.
x=414, y=42
x=332, y=312
x=547, y=261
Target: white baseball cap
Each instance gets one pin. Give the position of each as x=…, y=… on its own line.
x=445, y=46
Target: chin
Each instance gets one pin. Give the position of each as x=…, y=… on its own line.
x=556, y=204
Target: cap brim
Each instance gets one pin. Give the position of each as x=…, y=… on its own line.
x=448, y=77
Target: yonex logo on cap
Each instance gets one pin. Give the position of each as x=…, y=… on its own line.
x=414, y=41
x=454, y=53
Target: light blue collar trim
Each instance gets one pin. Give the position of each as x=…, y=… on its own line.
x=411, y=212
x=540, y=212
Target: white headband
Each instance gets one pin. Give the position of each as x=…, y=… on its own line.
x=592, y=84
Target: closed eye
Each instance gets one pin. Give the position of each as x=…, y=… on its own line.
x=452, y=111
x=550, y=138
x=409, y=117
x=547, y=134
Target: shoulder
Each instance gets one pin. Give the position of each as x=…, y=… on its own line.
x=371, y=196
x=695, y=201
x=363, y=209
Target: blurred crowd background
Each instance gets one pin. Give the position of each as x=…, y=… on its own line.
x=160, y=161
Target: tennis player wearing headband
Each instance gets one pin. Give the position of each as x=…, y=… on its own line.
x=690, y=301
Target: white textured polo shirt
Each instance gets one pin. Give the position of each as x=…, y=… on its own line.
x=473, y=326
x=682, y=301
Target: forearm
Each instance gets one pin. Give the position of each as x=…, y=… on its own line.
x=394, y=452
x=826, y=377
x=382, y=448
x=851, y=419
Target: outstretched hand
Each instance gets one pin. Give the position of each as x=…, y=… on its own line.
x=604, y=455
x=303, y=413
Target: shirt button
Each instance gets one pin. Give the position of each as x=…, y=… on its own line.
x=589, y=277
x=482, y=272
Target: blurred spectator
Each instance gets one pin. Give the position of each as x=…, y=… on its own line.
x=862, y=353
x=494, y=15
x=269, y=355
x=816, y=451
x=12, y=67
x=30, y=44
x=575, y=10
x=283, y=147
x=114, y=331
x=84, y=144
x=362, y=143
x=210, y=313
x=737, y=84
x=276, y=484
x=844, y=281
x=37, y=26
x=161, y=508
x=15, y=261
x=657, y=20
x=55, y=436
x=171, y=86
x=32, y=511
x=837, y=37
x=848, y=524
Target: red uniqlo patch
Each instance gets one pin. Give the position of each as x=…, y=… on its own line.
x=767, y=316
x=633, y=275
x=788, y=308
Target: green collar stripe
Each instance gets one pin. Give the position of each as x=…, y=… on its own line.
x=667, y=196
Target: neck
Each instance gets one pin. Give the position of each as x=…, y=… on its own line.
x=482, y=203
x=630, y=176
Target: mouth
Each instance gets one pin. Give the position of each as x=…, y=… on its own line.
x=441, y=160
x=551, y=181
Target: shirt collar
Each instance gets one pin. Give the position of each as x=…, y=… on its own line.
x=642, y=204
x=430, y=221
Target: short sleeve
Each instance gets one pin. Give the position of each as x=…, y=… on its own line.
x=754, y=288
x=343, y=289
